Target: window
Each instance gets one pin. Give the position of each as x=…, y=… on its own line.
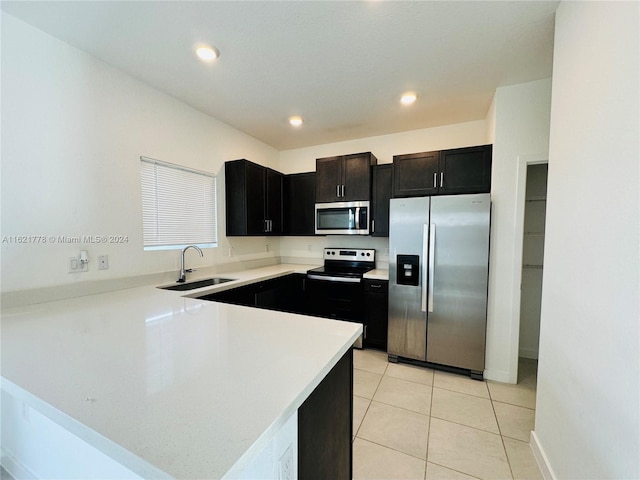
x=178, y=206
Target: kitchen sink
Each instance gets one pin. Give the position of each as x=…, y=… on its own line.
x=197, y=284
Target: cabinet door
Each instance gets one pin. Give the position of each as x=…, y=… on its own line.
x=466, y=170
x=299, y=202
x=244, y=197
x=328, y=179
x=380, y=200
x=376, y=313
x=255, y=195
x=325, y=426
x=356, y=173
x=415, y=174
x=273, y=201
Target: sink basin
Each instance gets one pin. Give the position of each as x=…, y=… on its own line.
x=197, y=284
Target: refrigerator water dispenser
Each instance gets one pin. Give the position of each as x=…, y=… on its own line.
x=408, y=270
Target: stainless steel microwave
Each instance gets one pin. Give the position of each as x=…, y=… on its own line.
x=343, y=218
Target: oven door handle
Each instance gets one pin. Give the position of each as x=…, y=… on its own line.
x=334, y=279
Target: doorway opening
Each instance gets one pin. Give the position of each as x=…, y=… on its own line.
x=532, y=268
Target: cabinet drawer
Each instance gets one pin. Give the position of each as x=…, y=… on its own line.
x=376, y=286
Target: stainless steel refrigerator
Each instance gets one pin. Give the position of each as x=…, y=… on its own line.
x=438, y=278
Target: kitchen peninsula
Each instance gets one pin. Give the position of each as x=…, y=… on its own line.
x=168, y=386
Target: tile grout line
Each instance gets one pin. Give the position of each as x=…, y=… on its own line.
x=426, y=455
x=391, y=448
x=468, y=426
x=370, y=401
x=504, y=448
x=457, y=471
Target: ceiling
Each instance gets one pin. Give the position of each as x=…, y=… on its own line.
x=342, y=66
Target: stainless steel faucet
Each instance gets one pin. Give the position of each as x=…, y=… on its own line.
x=183, y=272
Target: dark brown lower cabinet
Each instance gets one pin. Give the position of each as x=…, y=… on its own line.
x=325, y=423
x=376, y=319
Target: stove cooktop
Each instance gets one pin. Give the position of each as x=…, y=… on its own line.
x=346, y=262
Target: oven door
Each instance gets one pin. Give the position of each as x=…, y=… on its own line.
x=342, y=218
x=331, y=298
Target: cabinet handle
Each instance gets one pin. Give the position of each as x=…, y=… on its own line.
x=271, y=225
x=373, y=226
x=338, y=191
x=266, y=225
x=435, y=180
x=343, y=191
x=376, y=285
x=441, y=178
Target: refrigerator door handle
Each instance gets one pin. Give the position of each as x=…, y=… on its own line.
x=432, y=264
x=425, y=255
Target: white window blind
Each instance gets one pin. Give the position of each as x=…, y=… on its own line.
x=178, y=206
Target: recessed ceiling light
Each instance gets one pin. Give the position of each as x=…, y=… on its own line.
x=295, y=121
x=408, y=98
x=207, y=53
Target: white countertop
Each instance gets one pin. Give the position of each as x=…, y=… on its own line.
x=377, y=274
x=170, y=386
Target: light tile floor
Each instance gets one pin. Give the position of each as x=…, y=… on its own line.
x=414, y=423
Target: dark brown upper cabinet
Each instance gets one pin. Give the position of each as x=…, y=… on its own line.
x=253, y=195
x=299, y=204
x=415, y=174
x=344, y=178
x=380, y=196
x=460, y=170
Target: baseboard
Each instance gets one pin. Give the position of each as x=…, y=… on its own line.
x=14, y=467
x=529, y=353
x=541, y=458
x=497, y=376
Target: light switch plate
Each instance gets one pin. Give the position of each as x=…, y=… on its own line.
x=76, y=266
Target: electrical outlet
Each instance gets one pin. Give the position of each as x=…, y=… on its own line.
x=75, y=265
x=266, y=247
x=103, y=262
x=26, y=412
x=286, y=465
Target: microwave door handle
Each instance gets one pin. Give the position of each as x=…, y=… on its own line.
x=357, y=218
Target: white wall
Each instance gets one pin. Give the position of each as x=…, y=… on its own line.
x=73, y=129
x=521, y=129
x=384, y=147
x=587, y=413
